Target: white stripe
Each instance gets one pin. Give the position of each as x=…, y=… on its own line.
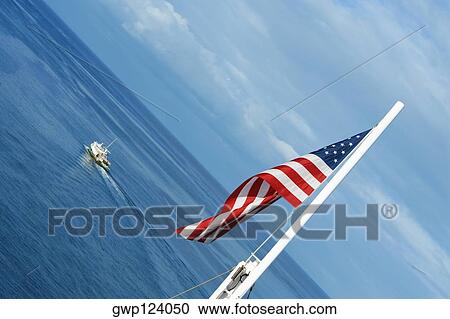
x=262, y=193
x=242, y=197
x=240, y=201
x=189, y=229
x=288, y=183
x=304, y=173
x=215, y=223
x=321, y=165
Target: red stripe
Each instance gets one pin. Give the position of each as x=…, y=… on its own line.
x=206, y=222
x=313, y=169
x=202, y=226
x=234, y=217
x=279, y=187
x=254, y=190
x=229, y=203
x=231, y=200
x=296, y=178
x=180, y=229
x=266, y=202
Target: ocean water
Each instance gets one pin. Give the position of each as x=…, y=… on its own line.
x=51, y=104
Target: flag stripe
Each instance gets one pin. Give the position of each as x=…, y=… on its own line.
x=284, y=186
x=319, y=163
x=310, y=167
x=239, y=201
x=251, y=197
x=267, y=201
x=234, y=218
x=296, y=178
x=242, y=197
x=302, y=171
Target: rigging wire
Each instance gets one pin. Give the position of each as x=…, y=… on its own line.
x=202, y=283
x=344, y=75
x=269, y=237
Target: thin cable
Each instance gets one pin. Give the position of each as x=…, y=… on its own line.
x=268, y=237
x=201, y=284
x=344, y=75
x=59, y=46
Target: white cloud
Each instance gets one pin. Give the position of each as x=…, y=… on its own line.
x=251, y=17
x=226, y=86
x=286, y=150
x=148, y=16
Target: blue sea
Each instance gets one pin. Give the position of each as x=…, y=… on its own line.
x=51, y=105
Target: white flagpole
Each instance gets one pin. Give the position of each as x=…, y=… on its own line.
x=358, y=153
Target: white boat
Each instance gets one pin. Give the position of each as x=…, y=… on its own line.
x=99, y=154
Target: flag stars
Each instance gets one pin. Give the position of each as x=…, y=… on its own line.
x=335, y=160
x=326, y=152
x=334, y=152
x=357, y=136
x=350, y=144
x=342, y=144
x=343, y=152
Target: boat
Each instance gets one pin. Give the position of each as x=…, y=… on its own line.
x=99, y=154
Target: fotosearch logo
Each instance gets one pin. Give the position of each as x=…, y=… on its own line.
x=162, y=221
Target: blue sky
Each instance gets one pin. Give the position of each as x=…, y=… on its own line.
x=227, y=68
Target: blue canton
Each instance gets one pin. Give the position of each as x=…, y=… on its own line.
x=335, y=153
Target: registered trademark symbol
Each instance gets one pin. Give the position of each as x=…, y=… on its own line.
x=389, y=211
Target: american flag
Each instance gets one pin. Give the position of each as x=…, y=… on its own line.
x=294, y=181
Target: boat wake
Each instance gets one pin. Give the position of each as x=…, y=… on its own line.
x=115, y=187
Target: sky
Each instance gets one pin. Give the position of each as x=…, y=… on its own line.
x=225, y=69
